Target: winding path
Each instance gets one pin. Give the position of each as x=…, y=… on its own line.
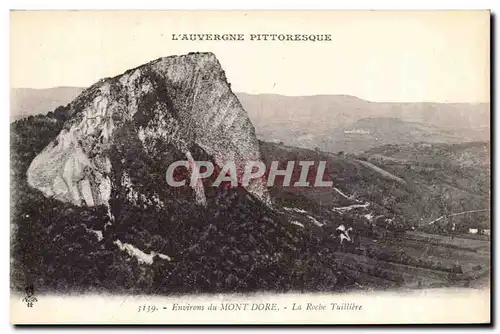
x=455, y=214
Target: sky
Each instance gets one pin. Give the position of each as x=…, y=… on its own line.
x=439, y=56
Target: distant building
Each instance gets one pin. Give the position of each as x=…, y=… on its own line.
x=487, y=231
x=473, y=230
x=357, y=131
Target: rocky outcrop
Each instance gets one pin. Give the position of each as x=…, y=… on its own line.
x=171, y=105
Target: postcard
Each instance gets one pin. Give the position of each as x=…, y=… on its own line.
x=250, y=167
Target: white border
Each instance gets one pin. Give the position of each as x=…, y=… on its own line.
x=184, y=4
x=256, y=4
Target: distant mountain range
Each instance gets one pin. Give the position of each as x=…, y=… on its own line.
x=330, y=122
x=346, y=123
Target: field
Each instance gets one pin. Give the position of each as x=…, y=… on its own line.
x=417, y=260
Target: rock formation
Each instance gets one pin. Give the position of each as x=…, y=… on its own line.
x=168, y=106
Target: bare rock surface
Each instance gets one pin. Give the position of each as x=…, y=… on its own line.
x=168, y=106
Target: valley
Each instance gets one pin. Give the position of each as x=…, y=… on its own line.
x=91, y=209
x=386, y=253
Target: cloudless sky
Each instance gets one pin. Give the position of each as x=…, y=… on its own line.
x=375, y=55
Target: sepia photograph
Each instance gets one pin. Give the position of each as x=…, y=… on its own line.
x=250, y=167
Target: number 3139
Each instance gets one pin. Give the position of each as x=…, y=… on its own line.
x=147, y=308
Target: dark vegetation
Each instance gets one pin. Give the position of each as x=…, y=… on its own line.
x=51, y=247
x=443, y=179
x=234, y=244
x=412, y=204
x=439, y=179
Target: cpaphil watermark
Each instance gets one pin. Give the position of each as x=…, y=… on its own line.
x=234, y=174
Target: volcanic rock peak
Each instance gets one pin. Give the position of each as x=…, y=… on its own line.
x=177, y=102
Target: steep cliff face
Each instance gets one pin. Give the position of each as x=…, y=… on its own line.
x=123, y=132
